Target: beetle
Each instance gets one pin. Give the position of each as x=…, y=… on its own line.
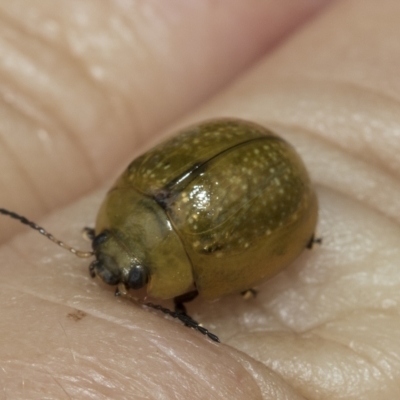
x=215, y=210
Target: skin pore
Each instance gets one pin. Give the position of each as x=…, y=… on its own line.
x=85, y=88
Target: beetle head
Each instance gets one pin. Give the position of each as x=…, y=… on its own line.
x=114, y=264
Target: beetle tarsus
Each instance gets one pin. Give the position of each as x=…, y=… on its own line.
x=185, y=319
x=88, y=233
x=249, y=294
x=184, y=298
x=313, y=241
x=180, y=309
x=92, y=267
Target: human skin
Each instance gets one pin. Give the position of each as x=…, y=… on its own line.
x=327, y=327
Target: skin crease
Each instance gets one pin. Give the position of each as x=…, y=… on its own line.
x=327, y=327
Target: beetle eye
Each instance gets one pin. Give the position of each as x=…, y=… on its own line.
x=99, y=239
x=137, y=277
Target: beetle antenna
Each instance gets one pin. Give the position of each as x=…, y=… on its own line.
x=185, y=319
x=25, y=221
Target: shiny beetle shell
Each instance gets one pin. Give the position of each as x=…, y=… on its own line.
x=221, y=207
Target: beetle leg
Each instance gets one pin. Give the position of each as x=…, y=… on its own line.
x=121, y=290
x=249, y=294
x=88, y=233
x=92, y=268
x=187, y=321
x=312, y=241
x=184, y=298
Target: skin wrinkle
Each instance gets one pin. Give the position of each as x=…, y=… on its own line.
x=101, y=86
x=96, y=377
x=185, y=366
x=361, y=91
x=345, y=346
x=94, y=362
x=309, y=133
x=101, y=316
x=59, y=384
x=23, y=173
x=89, y=312
x=314, y=331
x=150, y=57
x=59, y=48
x=137, y=124
x=359, y=88
x=13, y=24
x=380, y=96
x=182, y=366
x=368, y=360
x=377, y=173
x=68, y=342
x=385, y=173
x=37, y=367
x=304, y=123
x=270, y=309
x=338, y=315
x=49, y=127
x=75, y=389
x=101, y=377
x=365, y=203
x=256, y=383
x=77, y=66
x=254, y=374
x=348, y=349
x=174, y=360
x=65, y=52
x=19, y=164
x=59, y=122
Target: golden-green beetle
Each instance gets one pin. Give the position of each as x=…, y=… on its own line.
x=218, y=209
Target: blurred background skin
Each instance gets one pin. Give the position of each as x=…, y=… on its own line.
x=85, y=87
